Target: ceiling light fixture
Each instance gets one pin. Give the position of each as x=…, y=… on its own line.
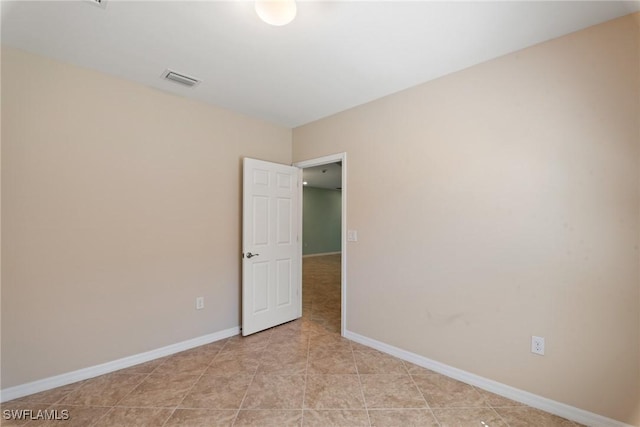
x=276, y=12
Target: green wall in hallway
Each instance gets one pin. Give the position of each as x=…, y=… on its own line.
x=321, y=223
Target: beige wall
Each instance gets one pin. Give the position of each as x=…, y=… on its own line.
x=502, y=202
x=120, y=205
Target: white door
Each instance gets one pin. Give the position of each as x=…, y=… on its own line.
x=271, y=255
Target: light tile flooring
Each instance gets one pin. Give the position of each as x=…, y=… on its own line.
x=299, y=373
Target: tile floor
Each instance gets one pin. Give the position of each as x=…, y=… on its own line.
x=299, y=373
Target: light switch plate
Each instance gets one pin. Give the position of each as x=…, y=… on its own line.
x=352, y=235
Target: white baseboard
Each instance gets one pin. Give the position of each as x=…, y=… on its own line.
x=321, y=254
x=104, y=368
x=570, y=412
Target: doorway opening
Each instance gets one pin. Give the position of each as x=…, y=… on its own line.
x=323, y=224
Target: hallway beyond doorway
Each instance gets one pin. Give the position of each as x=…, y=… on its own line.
x=321, y=291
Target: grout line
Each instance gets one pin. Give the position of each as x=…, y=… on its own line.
x=306, y=379
x=262, y=351
x=170, y=415
x=421, y=393
x=490, y=406
x=195, y=382
x=96, y=421
x=137, y=385
x=364, y=400
x=500, y=416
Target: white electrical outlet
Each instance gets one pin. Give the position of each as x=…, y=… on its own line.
x=199, y=303
x=537, y=345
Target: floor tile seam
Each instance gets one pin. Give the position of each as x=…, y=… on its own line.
x=400, y=409
x=271, y=409
x=506, y=423
x=57, y=401
x=364, y=400
x=191, y=388
x=386, y=374
x=500, y=417
x=408, y=409
x=382, y=372
x=257, y=409
x=516, y=405
x=526, y=407
x=132, y=389
x=169, y=417
x=226, y=343
x=306, y=376
x=83, y=385
x=253, y=377
x=285, y=374
x=214, y=357
x=324, y=408
x=96, y=421
x=205, y=408
x=406, y=368
x=167, y=358
x=330, y=374
x=146, y=407
x=396, y=408
x=72, y=391
x=448, y=408
x=422, y=394
x=189, y=358
x=75, y=405
x=507, y=406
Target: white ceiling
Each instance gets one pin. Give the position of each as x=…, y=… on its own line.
x=335, y=55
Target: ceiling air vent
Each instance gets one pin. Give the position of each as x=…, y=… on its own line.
x=180, y=78
x=99, y=3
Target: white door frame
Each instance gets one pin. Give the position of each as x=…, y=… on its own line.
x=333, y=158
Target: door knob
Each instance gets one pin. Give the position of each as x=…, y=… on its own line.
x=250, y=255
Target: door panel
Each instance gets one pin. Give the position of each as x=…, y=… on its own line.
x=260, y=287
x=285, y=289
x=284, y=215
x=271, y=263
x=260, y=221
